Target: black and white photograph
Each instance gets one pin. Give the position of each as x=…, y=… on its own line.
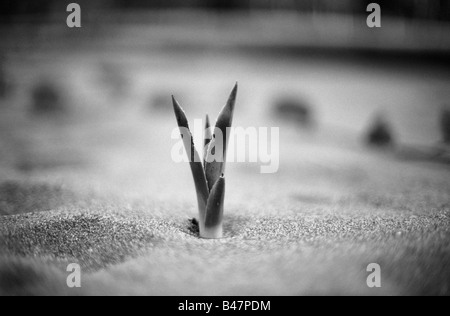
x=224, y=153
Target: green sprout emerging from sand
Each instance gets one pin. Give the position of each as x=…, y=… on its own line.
x=208, y=174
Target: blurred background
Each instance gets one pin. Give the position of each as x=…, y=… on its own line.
x=96, y=99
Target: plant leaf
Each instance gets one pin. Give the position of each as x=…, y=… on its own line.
x=214, y=169
x=207, y=139
x=195, y=162
x=214, y=207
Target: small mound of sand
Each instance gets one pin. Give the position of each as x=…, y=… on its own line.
x=92, y=240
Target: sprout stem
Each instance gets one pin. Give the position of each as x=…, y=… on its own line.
x=208, y=177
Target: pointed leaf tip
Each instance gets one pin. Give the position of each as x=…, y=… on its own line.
x=180, y=115
x=233, y=94
x=207, y=124
x=174, y=101
x=214, y=169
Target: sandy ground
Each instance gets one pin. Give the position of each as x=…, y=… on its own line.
x=96, y=185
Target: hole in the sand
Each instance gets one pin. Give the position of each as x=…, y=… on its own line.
x=193, y=227
x=231, y=227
